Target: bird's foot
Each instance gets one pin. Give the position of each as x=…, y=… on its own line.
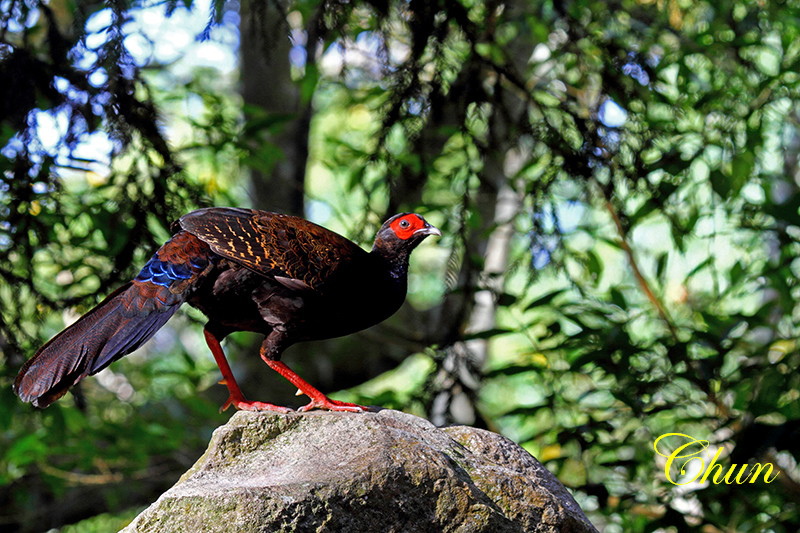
x=333, y=405
x=242, y=404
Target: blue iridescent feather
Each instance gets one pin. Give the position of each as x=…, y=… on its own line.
x=163, y=273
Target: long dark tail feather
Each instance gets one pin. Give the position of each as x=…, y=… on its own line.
x=109, y=331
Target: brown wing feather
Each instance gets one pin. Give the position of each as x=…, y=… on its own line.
x=273, y=244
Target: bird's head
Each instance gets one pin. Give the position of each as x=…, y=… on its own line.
x=402, y=233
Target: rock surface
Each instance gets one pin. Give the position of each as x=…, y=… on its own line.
x=361, y=472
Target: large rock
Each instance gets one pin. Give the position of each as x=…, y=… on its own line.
x=361, y=472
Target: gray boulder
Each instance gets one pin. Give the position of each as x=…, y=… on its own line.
x=361, y=472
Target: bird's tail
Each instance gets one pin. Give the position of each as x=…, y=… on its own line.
x=116, y=327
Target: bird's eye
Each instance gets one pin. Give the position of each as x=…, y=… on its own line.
x=405, y=224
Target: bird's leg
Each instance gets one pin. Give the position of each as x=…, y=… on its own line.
x=235, y=398
x=270, y=352
x=318, y=400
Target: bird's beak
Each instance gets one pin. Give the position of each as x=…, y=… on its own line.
x=429, y=230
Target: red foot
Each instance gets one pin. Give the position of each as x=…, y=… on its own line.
x=318, y=400
x=333, y=405
x=245, y=405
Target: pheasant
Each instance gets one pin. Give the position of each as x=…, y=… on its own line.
x=246, y=270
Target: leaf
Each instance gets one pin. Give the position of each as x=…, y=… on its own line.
x=611, y=242
x=729, y=183
x=595, y=356
x=594, y=264
x=700, y=266
x=720, y=184
x=545, y=299
x=487, y=334
x=618, y=298
x=741, y=170
x=661, y=265
x=737, y=273
x=546, y=99
x=506, y=299
x=648, y=207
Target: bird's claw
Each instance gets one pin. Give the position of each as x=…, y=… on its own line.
x=245, y=405
x=333, y=405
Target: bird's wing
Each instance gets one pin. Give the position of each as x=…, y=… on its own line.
x=297, y=253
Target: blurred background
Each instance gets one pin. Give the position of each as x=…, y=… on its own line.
x=617, y=183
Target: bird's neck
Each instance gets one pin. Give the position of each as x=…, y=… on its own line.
x=395, y=261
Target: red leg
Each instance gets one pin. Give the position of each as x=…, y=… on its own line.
x=318, y=400
x=236, y=398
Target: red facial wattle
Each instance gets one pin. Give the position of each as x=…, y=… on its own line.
x=405, y=227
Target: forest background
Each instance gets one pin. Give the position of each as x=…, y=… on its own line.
x=617, y=183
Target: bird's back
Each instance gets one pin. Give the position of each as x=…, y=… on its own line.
x=296, y=274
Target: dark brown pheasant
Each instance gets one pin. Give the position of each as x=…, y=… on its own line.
x=247, y=270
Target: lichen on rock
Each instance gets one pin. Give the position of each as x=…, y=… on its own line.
x=361, y=472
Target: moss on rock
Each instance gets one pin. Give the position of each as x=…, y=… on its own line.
x=384, y=471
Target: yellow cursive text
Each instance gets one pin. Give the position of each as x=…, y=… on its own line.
x=692, y=448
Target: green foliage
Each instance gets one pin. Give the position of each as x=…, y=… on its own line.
x=102, y=523
x=665, y=242
x=75, y=225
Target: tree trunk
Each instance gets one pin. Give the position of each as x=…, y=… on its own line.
x=281, y=152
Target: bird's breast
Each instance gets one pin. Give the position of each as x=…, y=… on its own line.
x=356, y=299
x=338, y=309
